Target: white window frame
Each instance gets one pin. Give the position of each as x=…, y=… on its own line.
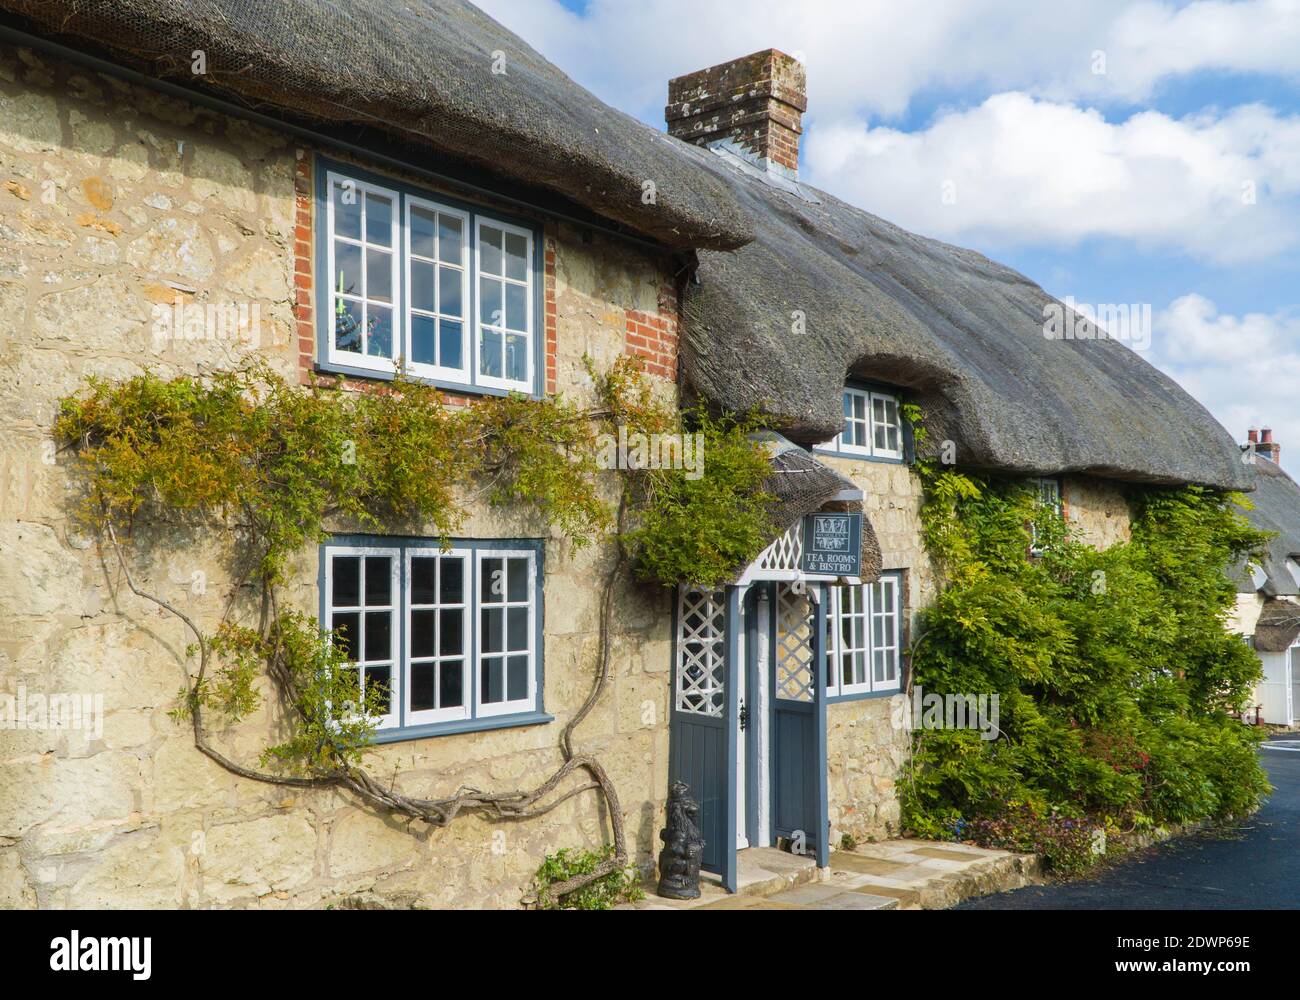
x=462, y=711
x=1054, y=496
x=882, y=632
x=868, y=425
x=528, y=703
x=524, y=385
x=464, y=374
x=359, y=359
x=396, y=674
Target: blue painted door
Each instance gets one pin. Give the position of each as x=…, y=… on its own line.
x=702, y=728
x=799, y=807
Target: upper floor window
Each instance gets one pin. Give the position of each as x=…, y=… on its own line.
x=1049, y=494
x=449, y=637
x=873, y=426
x=864, y=637
x=448, y=291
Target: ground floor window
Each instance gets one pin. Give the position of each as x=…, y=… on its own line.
x=864, y=637
x=451, y=637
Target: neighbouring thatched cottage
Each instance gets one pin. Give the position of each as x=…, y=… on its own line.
x=348, y=185
x=1268, y=598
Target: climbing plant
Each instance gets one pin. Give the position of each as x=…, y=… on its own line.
x=1115, y=671
x=270, y=467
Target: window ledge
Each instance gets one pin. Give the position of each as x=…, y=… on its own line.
x=859, y=456
x=460, y=726
x=834, y=699
x=458, y=388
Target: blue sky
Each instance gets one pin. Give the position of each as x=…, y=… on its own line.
x=1114, y=151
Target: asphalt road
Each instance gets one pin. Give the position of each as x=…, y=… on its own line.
x=1255, y=865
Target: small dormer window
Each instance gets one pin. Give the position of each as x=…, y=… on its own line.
x=873, y=426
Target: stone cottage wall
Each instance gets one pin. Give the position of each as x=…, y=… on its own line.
x=114, y=200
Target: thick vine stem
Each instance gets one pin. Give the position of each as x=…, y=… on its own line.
x=505, y=806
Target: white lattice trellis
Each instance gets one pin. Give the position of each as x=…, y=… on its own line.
x=701, y=648
x=785, y=553
x=794, y=646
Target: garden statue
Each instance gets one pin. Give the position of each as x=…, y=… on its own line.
x=679, y=861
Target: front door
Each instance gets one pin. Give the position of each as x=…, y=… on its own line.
x=799, y=793
x=704, y=724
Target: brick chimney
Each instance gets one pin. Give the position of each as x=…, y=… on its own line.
x=753, y=106
x=1267, y=447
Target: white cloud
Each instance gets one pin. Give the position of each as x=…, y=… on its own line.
x=1017, y=170
x=872, y=57
x=1244, y=369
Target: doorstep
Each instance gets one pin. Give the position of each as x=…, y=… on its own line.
x=898, y=874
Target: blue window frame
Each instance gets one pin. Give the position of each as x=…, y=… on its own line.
x=453, y=636
x=450, y=291
x=873, y=425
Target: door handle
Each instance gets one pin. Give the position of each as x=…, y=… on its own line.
x=744, y=716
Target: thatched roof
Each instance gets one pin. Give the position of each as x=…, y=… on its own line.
x=419, y=72
x=1277, y=509
x=1278, y=626
x=963, y=333
x=802, y=485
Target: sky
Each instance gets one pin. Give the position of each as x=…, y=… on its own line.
x=1136, y=153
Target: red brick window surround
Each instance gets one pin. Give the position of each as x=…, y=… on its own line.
x=305, y=288
x=652, y=337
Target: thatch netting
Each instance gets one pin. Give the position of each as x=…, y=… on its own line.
x=1276, y=500
x=420, y=71
x=828, y=291
x=1278, y=626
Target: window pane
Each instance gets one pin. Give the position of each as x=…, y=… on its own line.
x=453, y=575
x=516, y=257
x=879, y=672
x=423, y=231
x=489, y=362
x=347, y=581
x=379, y=334
x=517, y=686
x=348, y=626
x=489, y=302
x=379, y=275
x=422, y=677
x=422, y=293
x=492, y=685
x=859, y=406
x=517, y=629
x=492, y=581
x=490, y=630
x=378, y=680
x=453, y=344
x=451, y=689
x=347, y=211
x=516, y=307
x=451, y=641
x=451, y=240
x=347, y=325
x=516, y=358
x=379, y=220
x=518, y=582
x=423, y=579
x=848, y=406
x=423, y=342
x=379, y=581
x=422, y=633
x=379, y=635
x=449, y=287
x=347, y=268
x=489, y=250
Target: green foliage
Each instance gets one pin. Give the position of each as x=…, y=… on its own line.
x=1114, y=669
x=619, y=886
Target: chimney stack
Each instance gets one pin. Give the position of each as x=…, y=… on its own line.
x=752, y=106
x=1269, y=448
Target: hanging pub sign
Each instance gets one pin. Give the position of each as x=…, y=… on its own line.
x=832, y=544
